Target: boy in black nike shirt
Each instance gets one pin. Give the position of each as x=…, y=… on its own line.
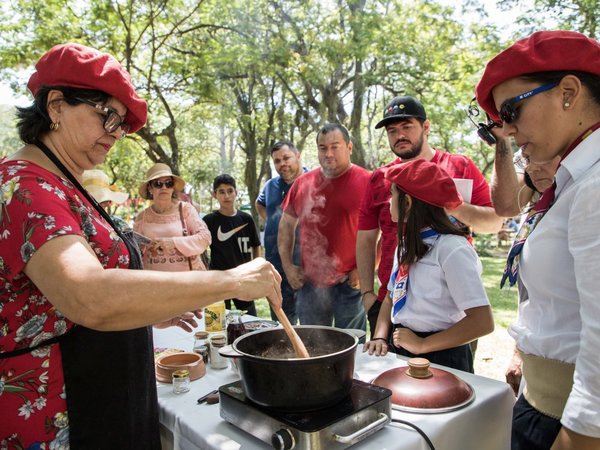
x=234, y=236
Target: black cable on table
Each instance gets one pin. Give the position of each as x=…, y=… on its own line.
x=418, y=430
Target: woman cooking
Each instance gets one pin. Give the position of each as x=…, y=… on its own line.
x=76, y=356
x=178, y=234
x=545, y=90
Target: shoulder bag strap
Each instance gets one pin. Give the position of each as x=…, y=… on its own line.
x=185, y=231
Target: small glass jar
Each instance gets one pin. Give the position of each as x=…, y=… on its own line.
x=235, y=326
x=181, y=381
x=216, y=360
x=201, y=345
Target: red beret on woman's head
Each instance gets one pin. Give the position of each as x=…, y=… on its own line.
x=78, y=66
x=425, y=181
x=544, y=51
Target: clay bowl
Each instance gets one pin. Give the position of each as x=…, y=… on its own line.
x=167, y=364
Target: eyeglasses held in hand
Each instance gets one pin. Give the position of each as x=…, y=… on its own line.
x=508, y=112
x=112, y=119
x=484, y=130
x=157, y=184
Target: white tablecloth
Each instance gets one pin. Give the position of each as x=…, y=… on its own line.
x=484, y=424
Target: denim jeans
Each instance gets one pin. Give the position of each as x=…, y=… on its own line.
x=339, y=305
x=289, y=302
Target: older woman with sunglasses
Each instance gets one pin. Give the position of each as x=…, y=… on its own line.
x=178, y=235
x=545, y=90
x=76, y=354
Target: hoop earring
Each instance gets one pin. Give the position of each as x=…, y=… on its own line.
x=54, y=126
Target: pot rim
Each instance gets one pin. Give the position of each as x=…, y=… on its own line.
x=311, y=359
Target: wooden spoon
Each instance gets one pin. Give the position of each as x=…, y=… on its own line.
x=297, y=343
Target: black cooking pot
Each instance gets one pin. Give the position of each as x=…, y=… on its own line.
x=273, y=377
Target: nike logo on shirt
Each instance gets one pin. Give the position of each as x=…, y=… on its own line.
x=224, y=236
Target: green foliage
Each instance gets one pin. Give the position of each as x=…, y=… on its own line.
x=578, y=15
x=484, y=243
x=9, y=140
x=224, y=80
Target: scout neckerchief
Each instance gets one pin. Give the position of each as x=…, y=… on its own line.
x=533, y=218
x=401, y=277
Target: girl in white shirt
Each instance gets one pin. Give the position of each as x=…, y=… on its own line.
x=442, y=305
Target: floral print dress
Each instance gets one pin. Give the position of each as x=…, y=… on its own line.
x=35, y=207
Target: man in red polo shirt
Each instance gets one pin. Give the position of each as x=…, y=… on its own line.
x=325, y=203
x=407, y=129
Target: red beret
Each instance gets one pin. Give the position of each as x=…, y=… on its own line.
x=78, y=66
x=426, y=181
x=544, y=51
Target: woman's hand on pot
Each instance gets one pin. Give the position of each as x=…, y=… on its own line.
x=257, y=278
x=377, y=347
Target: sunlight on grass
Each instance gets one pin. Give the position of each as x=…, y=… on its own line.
x=504, y=302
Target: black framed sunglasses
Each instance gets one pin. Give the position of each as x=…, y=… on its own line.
x=508, y=112
x=157, y=184
x=112, y=119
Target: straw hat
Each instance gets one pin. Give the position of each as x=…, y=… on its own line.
x=96, y=183
x=160, y=170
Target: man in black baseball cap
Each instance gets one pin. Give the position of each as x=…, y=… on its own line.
x=407, y=129
x=402, y=108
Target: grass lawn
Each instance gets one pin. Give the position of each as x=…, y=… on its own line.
x=504, y=302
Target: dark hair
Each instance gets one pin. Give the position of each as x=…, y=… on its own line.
x=329, y=127
x=223, y=179
x=411, y=247
x=589, y=80
x=280, y=144
x=34, y=120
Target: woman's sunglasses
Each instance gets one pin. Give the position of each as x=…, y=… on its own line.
x=157, y=184
x=508, y=112
x=112, y=119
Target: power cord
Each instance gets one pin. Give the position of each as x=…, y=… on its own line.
x=418, y=430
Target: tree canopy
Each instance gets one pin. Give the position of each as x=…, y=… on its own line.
x=225, y=80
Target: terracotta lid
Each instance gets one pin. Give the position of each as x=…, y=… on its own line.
x=424, y=389
x=167, y=364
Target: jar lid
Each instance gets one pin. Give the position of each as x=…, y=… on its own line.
x=423, y=389
x=181, y=373
x=219, y=339
x=201, y=334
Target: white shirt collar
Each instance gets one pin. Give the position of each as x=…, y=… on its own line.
x=579, y=161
